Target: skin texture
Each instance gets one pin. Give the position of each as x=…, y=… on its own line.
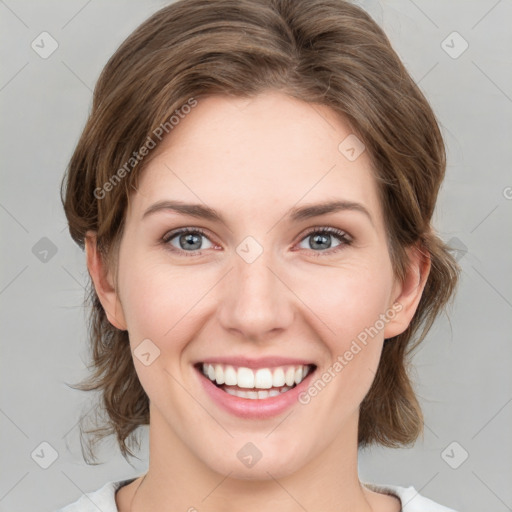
x=253, y=160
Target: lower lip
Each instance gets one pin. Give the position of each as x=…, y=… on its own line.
x=248, y=408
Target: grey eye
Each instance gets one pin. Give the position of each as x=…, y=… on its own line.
x=320, y=240
x=188, y=241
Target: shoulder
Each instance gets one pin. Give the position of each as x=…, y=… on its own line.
x=411, y=500
x=102, y=499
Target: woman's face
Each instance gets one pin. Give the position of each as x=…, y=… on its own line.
x=265, y=288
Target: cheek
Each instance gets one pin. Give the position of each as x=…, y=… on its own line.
x=160, y=304
x=351, y=307
x=347, y=299
x=160, y=301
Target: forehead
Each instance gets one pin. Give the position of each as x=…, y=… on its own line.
x=269, y=152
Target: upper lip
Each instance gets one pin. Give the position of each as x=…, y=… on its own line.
x=262, y=362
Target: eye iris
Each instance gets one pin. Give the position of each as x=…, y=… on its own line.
x=190, y=241
x=321, y=241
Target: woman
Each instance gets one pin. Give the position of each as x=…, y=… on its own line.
x=254, y=191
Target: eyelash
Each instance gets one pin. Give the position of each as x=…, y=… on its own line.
x=341, y=235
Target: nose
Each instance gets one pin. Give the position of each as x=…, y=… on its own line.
x=256, y=303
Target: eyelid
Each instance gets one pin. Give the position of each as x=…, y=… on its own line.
x=188, y=229
x=327, y=229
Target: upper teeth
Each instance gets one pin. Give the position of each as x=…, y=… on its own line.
x=263, y=378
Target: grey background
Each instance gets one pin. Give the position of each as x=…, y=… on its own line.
x=463, y=368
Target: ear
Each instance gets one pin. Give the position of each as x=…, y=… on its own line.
x=103, y=283
x=407, y=294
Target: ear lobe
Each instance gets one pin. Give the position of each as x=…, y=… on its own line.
x=103, y=283
x=410, y=290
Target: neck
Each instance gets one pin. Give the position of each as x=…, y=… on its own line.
x=178, y=480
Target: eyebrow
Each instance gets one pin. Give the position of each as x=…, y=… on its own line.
x=295, y=214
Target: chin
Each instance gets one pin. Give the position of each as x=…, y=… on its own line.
x=256, y=461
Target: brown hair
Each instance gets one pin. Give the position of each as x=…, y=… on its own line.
x=328, y=52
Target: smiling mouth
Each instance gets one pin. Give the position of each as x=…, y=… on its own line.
x=255, y=384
